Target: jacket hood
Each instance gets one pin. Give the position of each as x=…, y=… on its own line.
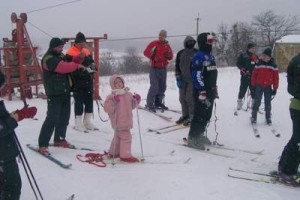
x=188, y=38
x=112, y=80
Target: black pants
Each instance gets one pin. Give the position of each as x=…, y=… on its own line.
x=290, y=157
x=83, y=96
x=259, y=92
x=10, y=181
x=202, y=115
x=57, y=119
x=245, y=83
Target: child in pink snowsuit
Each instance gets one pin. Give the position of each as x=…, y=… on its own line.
x=119, y=105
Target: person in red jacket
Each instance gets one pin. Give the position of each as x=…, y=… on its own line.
x=160, y=53
x=265, y=79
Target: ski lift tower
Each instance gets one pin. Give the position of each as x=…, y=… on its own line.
x=94, y=46
x=20, y=64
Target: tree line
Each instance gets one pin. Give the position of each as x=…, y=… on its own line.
x=264, y=30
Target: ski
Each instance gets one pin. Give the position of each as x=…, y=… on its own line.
x=50, y=157
x=255, y=130
x=274, y=131
x=162, y=128
x=169, y=119
x=174, y=111
x=221, y=146
x=261, y=179
x=171, y=129
x=270, y=174
x=74, y=147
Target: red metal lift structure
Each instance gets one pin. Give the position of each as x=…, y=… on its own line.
x=21, y=66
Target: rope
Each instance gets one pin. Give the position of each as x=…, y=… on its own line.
x=103, y=120
x=216, y=119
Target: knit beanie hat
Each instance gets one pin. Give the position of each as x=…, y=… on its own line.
x=80, y=38
x=163, y=33
x=55, y=42
x=250, y=45
x=268, y=52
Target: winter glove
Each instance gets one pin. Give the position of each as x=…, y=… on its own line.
x=117, y=98
x=26, y=112
x=254, y=59
x=243, y=71
x=179, y=82
x=274, y=91
x=137, y=97
x=202, y=96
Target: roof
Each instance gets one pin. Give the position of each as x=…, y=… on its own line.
x=289, y=39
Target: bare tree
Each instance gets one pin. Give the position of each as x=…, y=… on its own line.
x=132, y=62
x=272, y=27
x=221, y=44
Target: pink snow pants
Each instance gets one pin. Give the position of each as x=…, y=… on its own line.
x=121, y=144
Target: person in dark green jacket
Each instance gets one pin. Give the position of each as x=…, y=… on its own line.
x=290, y=157
x=57, y=83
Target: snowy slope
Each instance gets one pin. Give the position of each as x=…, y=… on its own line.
x=164, y=175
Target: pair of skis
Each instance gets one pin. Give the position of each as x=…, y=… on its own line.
x=256, y=131
x=168, y=119
x=272, y=177
x=221, y=147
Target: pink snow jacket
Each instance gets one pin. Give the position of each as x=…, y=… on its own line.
x=119, y=105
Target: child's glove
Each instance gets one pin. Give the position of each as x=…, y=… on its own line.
x=26, y=112
x=117, y=98
x=202, y=96
x=137, y=97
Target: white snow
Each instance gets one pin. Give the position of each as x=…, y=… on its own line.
x=164, y=176
x=289, y=39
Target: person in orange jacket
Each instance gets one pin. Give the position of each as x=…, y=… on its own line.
x=160, y=53
x=83, y=85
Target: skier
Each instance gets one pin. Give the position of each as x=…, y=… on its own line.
x=10, y=179
x=159, y=52
x=290, y=157
x=83, y=84
x=119, y=105
x=264, y=77
x=57, y=84
x=184, y=80
x=204, y=76
x=246, y=62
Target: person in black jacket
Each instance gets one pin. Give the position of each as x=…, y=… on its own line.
x=204, y=76
x=290, y=157
x=10, y=179
x=57, y=84
x=246, y=62
x=184, y=80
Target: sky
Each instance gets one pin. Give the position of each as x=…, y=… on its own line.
x=133, y=18
x=165, y=174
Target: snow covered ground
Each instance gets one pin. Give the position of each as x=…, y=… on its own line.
x=164, y=175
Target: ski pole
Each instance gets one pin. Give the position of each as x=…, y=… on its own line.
x=27, y=166
x=139, y=126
